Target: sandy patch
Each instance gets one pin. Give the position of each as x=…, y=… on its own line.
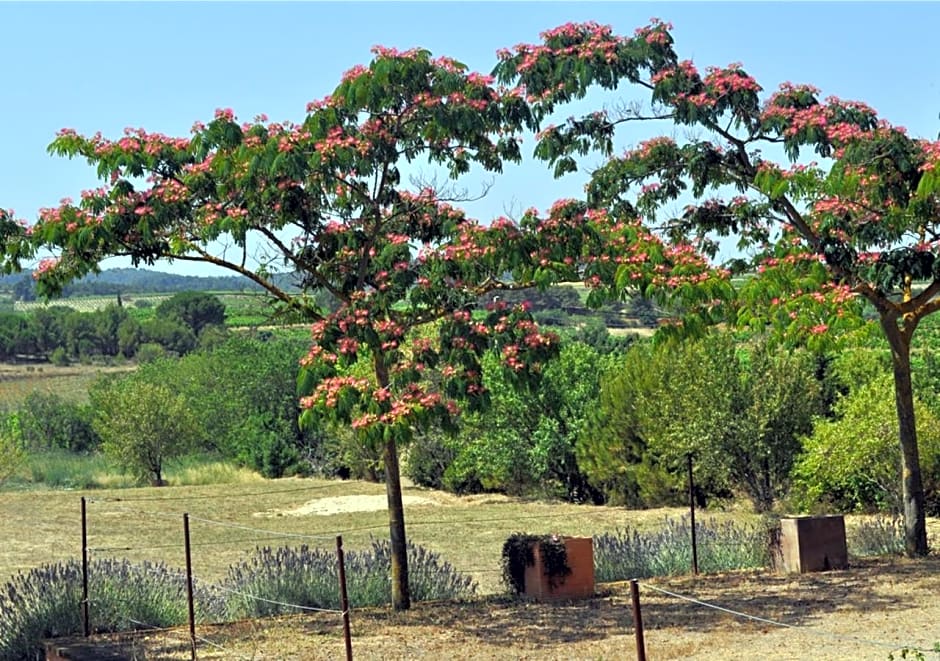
x=342, y=504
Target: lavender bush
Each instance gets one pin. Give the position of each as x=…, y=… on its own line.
x=270, y=580
x=45, y=602
x=881, y=535
x=628, y=554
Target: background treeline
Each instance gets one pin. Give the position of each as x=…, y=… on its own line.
x=61, y=334
x=22, y=286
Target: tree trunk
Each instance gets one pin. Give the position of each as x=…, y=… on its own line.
x=401, y=592
x=912, y=492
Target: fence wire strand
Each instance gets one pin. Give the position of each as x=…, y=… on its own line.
x=274, y=533
x=764, y=620
x=138, y=499
x=310, y=609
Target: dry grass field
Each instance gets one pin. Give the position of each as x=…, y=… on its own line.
x=888, y=604
x=70, y=382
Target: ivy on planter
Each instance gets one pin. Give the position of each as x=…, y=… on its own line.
x=518, y=554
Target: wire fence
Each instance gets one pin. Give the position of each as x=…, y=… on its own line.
x=88, y=600
x=242, y=534
x=803, y=629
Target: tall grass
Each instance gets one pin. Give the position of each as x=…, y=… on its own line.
x=61, y=469
x=198, y=470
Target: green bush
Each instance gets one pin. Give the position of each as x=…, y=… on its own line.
x=59, y=357
x=267, y=445
x=149, y=352
x=427, y=458
x=49, y=422
x=12, y=454
x=852, y=464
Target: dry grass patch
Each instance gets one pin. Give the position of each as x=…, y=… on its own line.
x=229, y=520
x=69, y=382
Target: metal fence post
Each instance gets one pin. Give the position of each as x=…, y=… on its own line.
x=637, y=621
x=692, y=518
x=86, y=624
x=189, y=588
x=344, y=596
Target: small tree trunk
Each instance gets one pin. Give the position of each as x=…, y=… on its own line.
x=401, y=593
x=912, y=492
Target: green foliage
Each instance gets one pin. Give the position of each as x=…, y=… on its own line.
x=242, y=391
x=12, y=454
x=142, y=425
x=525, y=440
x=169, y=333
x=628, y=554
x=196, y=310
x=427, y=459
x=851, y=462
x=612, y=448
x=149, y=352
x=740, y=412
x=49, y=422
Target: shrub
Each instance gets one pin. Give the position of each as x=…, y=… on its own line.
x=48, y=422
x=142, y=425
x=269, y=579
x=628, y=554
x=46, y=602
x=518, y=554
x=149, y=352
x=59, y=357
x=851, y=463
x=11, y=447
x=880, y=535
x=427, y=459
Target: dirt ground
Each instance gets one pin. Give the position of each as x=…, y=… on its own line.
x=873, y=609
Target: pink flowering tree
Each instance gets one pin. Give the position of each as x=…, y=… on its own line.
x=818, y=240
x=326, y=207
x=328, y=202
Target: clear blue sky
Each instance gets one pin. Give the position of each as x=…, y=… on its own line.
x=161, y=66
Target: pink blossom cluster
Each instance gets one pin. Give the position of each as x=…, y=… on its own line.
x=646, y=148
x=586, y=41
x=336, y=139
x=328, y=391
x=45, y=266
x=730, y=80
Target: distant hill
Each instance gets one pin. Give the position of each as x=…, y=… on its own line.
x=127, y=281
